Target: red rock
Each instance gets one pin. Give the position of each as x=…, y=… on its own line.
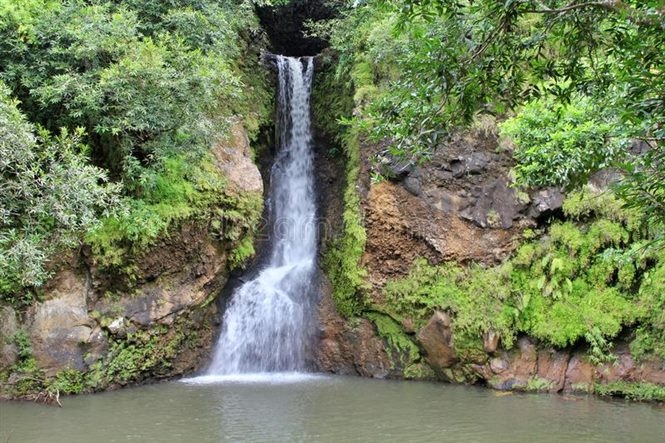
x=579, y=375
x=552, y=366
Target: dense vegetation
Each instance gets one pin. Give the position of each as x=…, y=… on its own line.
x=109, y=108
x=576, y=284
x=585, y=79
x=576, y=87
x=108, y=113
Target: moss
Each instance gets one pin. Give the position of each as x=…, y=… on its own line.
x=179, y=191
x=537, y=384
x=342, y=261
x=478, y=298
x=401, y=347
x=144, y=354
x=332, y=102
x=632, y=391
x=419, y=371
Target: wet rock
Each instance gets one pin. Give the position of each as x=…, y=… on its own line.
x=579, y=375
x=8, y=329
x=627, y=369
x=514, y=369
x=546, y=201
x=552, y=366
x=348, y=348
x=436, y=338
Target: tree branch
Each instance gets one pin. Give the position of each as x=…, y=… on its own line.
x=608, y=4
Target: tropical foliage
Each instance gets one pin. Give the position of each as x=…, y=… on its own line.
x=587, y=75
x=114, y=105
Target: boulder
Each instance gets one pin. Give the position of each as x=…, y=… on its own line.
x=436, y=338
x=545, y=201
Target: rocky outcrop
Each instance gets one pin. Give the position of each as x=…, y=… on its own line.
x=154, y=318
x=349, y=348
x=458, y=206
x=60, y=328
x=233, y=159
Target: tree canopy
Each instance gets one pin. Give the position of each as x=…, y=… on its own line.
x=593, y=71
x=109, y=103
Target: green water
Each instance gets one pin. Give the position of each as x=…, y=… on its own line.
x=328, y=409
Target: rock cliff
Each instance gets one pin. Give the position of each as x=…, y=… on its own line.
x=456, y=207
x=97, y=327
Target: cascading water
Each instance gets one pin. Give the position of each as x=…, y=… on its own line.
x=265, y=327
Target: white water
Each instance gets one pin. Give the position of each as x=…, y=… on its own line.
x=265, y=327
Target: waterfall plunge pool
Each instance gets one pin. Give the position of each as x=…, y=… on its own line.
x=319, y=408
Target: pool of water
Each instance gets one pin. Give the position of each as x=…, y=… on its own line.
x=292, y=407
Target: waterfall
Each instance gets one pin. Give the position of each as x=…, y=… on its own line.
x=265, y=327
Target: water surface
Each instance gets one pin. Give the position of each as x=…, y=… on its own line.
x=327, y=409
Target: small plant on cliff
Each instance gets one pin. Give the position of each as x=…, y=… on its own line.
x=631, y=390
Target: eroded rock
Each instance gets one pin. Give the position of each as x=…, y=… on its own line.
x=579, y=375
x=552, y=366
x=348, y=348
